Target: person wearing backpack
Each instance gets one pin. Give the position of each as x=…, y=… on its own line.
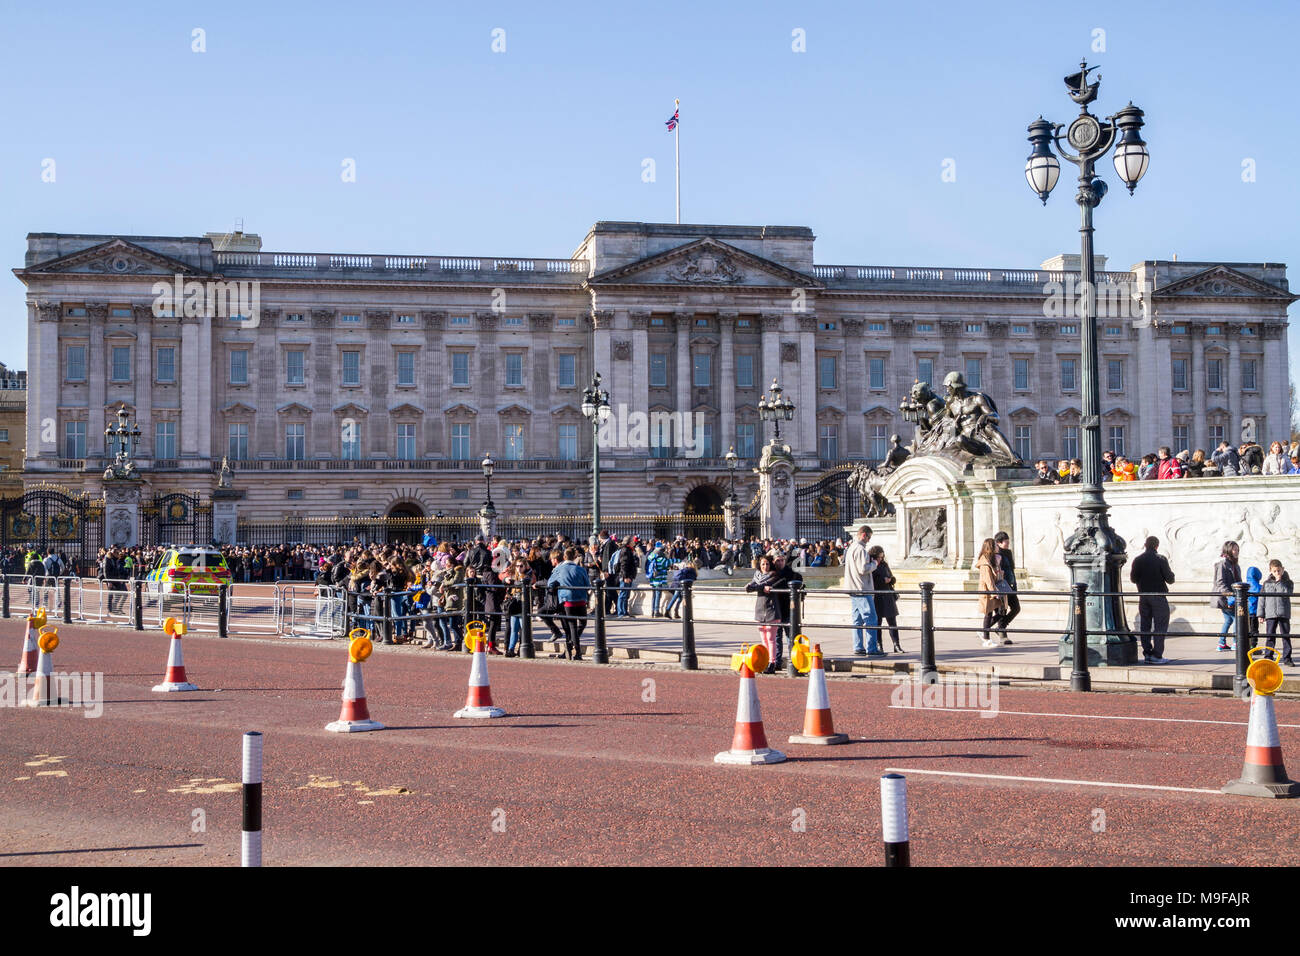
x=656, y=570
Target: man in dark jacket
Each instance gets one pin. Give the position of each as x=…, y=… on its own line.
x=608, y=547
x=1003, y=540
x=479, y=558
x=1152, y=576
x=625, y=565
x=1227, y=572
x=789, y=576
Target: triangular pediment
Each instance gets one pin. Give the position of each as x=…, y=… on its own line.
x=460, y=408
x=406, y=408
x=708, y=263
x=114, y=257
x=513, y=409
x=1223, y=282
x=350, y=409
x=238, y=408
x=293, y=408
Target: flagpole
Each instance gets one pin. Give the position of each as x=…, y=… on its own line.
x=677, y=163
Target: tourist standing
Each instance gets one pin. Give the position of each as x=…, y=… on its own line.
x=1275, y=608
x=767, y=611
x=858, y=568
x=992, y=605
x=1007, y=562
x=656, y=571
x=570, y=582
x=1152, y=576
x=1227, y=572
x=882, y=582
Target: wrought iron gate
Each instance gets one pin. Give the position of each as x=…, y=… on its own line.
x=47, y=518
x=177, y=519
x=823, y=508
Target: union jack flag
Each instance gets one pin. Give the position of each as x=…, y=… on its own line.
x=672, y=123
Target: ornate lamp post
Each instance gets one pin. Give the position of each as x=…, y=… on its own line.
x=731, y=506
x=487, y=514
x=776, y=411
x=595, y=406
x=122, y=440
x=1094, y=552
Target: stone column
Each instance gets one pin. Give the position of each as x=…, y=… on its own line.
x=1048, y=389
x=853, y=386
x=806, y=413
x=44, y=380
x=225, y=515
x=434, y=388
x=206, y=387
x=776, y=472
x=95, y=381
x=770, y=341
x=188, y=439
x=122, y=511
x=638, y=398
x=1200, y=436
x=1275, y=380
x=726, y=384
x=1232, y=385
x=684, y=375
x=144, y=319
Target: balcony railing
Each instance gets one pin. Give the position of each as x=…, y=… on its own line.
x=932, y=274
x=405, y=265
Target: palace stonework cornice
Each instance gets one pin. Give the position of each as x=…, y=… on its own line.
x=950, y=326
x=1044, y=329
x=487, y=321
x=434, y=320
x=770, y=321
x=997, y=328
x=808, y=322
x=853, y=325
x=540, y=321
x=378, y=318
x=640, y=320
x=48, y=311
x=322, y=318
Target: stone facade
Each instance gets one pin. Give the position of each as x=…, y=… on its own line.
x=377, y=382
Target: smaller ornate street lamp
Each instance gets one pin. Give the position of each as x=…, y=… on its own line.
x=776, y=410
x=595, y=407
x=732, y=460
x=123, y=441
x=489, y=510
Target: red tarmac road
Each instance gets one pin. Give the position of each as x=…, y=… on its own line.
x=596, y=766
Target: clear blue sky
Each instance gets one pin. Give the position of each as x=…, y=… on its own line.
x=463, y=151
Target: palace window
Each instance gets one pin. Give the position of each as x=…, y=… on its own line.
x=74, y=439
x=295, y=367
x=974, y=327
x=1114, y=330
x=703, y=376
x=350, y=440
x=1070, y=442
x=1023, y=448
x=1179, y=376
x=351, y=494
x=295, y=442
x=744, y=371
x=1216, y=435
x=405, y=368
x=1115, y=375
x=239, y=367
x=460, y=442
x=1181, y=438
x=351, y=368
x=876, y=372
x=826, y=371
x=658, y=370
x=1020, y=375
x=826, y=326
x=460, y=321
x=166, y=366
x=237, y=442
x=514, y=369
x=566, y=323
x=924, y=327
x=568, y=493
x=925, y=370
x=350, y=318
x=1116, y=435
x=164, y=441
x=460, y=368
x=1069, y=378
x=406, y=320
x=879, y=443
x=1248, y=375
x=121, y=363
x=568, y=449
x=406, y=442
x=1214, y=374
x=460, y=494
x=875, y=326
x=514, y=439
x=513, y=322
x=1213, y=330
x=76, y=364
x=566, y=370
x=745, y=441
x=294, y=494
x=1019, y=330
x=1069, y=330
x=974, y=372
x=828, y=442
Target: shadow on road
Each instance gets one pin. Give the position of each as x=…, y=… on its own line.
x=108, y=849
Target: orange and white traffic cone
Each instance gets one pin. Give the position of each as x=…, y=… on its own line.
x=355, y=715
x=817, y=725
x=1263, y=774
x=749, y=743
x=174, y=679
x=43, y=692
x=27, y=660
x=478, y=702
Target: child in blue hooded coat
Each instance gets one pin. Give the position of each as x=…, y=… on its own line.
x=1253, y=577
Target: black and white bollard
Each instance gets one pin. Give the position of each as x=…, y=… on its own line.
x=893, y=818
x=251, y=835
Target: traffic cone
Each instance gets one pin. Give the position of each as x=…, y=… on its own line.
x=355, y=716
x=478, y=702
x=749, y=744
x=43, y=692
x=174, y=679
x=817, y=726
x=27, y=660
x=1263, y=774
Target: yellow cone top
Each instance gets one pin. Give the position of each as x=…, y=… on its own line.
x=357, y=632
x=360, y=648
x=1265, y=674
x=800, y=655
x=37, y=620
x=753, y=656
x=169, y=626
x=48, y=639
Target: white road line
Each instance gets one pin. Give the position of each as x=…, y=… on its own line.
x=1035, y=713
x=1081, y=783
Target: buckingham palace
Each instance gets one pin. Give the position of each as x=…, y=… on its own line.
x=337, y=383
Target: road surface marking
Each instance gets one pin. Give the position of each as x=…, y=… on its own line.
x=1035, y=713
x=1081, y=783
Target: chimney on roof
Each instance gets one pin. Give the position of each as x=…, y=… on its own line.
x=237, y=241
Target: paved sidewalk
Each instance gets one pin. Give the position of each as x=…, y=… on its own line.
x=1194, y=661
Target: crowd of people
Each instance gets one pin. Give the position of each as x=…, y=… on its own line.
x=1248, y=458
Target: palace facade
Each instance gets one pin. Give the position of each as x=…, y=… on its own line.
x=370, y=383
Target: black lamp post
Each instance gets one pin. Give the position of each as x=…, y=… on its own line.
x=733, y=460
x=1094, y=552
x=776, y=410
x=595, y=406
x=488, y=510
